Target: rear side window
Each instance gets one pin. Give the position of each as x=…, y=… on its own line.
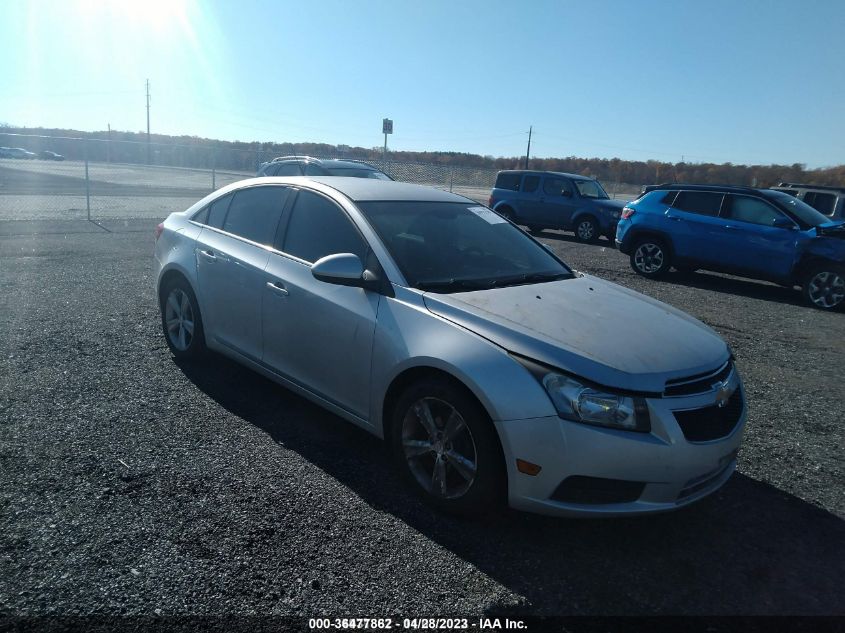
x=217, y=211
x=318, y=227
x=752, y=210
x=823, y=202
x=288, y=169
x=530, y=183
x=555, y=186
x=669, y=198
x=254, y=213
x=508, y=181
x=703, y=202
x=314, y=170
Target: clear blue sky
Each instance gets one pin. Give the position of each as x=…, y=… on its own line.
x=743, y=81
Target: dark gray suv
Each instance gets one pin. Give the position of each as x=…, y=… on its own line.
x=556, y=200
x=308, y=166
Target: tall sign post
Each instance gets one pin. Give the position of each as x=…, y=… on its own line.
x=386, y=128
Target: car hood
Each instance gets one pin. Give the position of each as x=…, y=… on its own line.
x=613, y=205
x=591, y=328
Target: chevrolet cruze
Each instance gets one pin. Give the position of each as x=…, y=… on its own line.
x=494, y=371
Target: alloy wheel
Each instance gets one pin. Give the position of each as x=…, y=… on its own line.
x=179, y=319
x=439, y=448
x=648, y=258
x=586, y=231
x=826, y=289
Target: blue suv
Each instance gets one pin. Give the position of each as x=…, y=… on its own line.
x=756, y=233
x=555, y=200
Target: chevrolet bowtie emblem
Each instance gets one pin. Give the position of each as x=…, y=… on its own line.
x=723, y=393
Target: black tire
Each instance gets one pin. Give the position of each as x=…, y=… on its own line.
x=650, y=257
x=475, y=442
x=823, y=287
x=507, y=213
x=179, y=307
x=586, y=229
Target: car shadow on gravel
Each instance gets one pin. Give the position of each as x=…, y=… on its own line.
x=749, y=288
x=568, y=237
x=748, y=549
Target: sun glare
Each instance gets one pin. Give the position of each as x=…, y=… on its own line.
x=159, y=16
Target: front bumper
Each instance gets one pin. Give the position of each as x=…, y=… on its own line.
x=666, y=469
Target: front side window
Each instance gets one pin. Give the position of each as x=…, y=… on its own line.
x=355, y=172
x=459, y=246
x=318, y=227
x=288, y=169
x=555, y=186
x=703, y=202
x=530, y=184
x=312, y=169
x=752, y=210
x=591, y=189
x=254, y=213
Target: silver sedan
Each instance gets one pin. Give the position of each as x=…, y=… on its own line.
x=495, y=372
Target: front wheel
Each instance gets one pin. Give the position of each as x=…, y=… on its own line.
x=446, y=448
x=650, y=257
x=824, y=287
x=587, y=230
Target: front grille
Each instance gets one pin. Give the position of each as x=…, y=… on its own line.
x=713, y=422
x=595, y=490
x=699, y=383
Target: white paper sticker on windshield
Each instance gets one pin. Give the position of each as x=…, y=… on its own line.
x=486, y=214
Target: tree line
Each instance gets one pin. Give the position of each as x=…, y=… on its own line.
x=204, y=153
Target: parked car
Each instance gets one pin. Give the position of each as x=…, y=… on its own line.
x=17, y=152
x=756, y=233
x=49, y=155
x=307, y=166
x=827, y=200
x=555, y=200
x=492, y=369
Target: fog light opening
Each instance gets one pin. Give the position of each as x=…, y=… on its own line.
x=527, y=468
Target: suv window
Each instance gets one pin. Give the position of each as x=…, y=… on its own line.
x=752, y=210
x=254, y=213
x=823, y=202
x=508, y=181
x=703, y=202
x=217, y=211
x=288, y=169
x=555, y=186
x=318, y=227
x=314, y=170
x=530, y=183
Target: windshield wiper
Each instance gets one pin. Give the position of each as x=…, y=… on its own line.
x=453, y=284
x=529, y=278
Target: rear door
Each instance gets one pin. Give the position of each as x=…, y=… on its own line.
x=319, y=335
x=698, y=233
x=232, y=253
x=529, y=208
x=755, y=245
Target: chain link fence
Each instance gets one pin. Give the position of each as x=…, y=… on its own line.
x=64, y=178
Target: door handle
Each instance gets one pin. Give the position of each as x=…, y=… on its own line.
x=278, y=287
x=673, y=217
x=209, y=255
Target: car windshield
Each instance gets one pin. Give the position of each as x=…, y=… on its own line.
x=457, y=246
x=356, y=173
x=591, y=189
x=802, y=211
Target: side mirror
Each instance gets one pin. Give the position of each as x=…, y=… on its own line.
x=784, y=223
x=566, y=193
x=343, y=269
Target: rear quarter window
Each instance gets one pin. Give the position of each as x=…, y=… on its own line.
x=508, y=181
x=703, y=202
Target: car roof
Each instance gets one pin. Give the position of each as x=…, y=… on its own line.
x=541, y=172
x=798, y=185
x=373, y=189
x=326, y=162
x=715, y=188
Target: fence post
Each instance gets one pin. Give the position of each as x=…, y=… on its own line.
x=214, y=169
x=87, y=180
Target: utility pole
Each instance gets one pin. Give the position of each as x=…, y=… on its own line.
x=148, y=121
x=528, y=151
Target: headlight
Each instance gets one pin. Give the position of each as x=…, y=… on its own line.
x=581, y=403
x=616, y=214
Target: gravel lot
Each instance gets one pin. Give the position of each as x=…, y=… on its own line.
x=131, y=485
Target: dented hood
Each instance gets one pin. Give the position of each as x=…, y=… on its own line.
x=591, y=328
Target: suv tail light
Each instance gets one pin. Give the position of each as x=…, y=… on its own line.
x=627, y=212
x=159, y=230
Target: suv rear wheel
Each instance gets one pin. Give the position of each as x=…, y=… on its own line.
x=650, y=257
x=824, y=287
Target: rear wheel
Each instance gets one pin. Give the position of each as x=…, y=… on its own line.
x=650, y=257
x=181, y=320
x=824, y=287
x=446, y=448
x=587, y=229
